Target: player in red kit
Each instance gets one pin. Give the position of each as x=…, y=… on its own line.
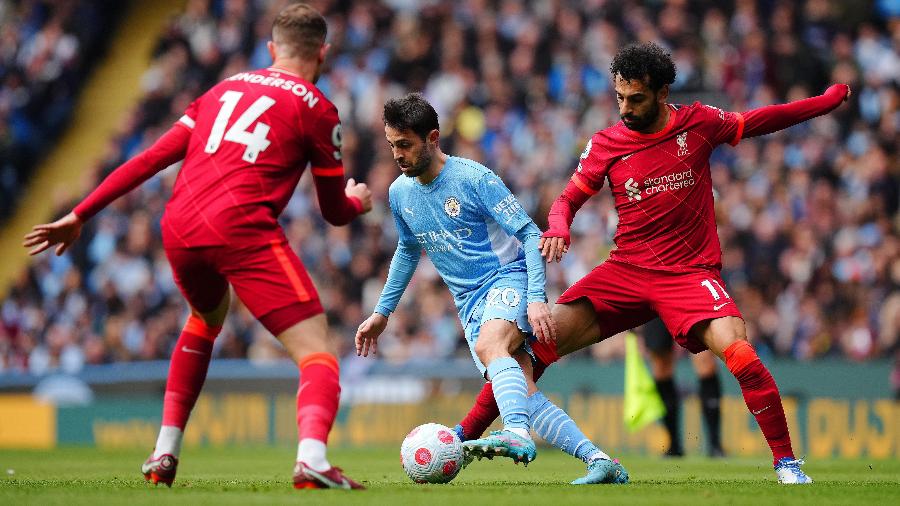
x=245, y=144
x=667, y=259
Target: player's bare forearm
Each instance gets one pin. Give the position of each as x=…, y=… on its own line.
x=773, y=118
x=167, y=150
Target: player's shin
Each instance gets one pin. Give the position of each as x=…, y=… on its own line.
x=187, y=372
x=761, y=396
x=510, y=390
x=485, y=410
x=317, y=404
x=557, y=428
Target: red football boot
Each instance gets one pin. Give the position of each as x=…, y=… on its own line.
x=161, y=469
x=305, y=477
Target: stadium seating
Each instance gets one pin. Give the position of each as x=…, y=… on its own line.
x=808, y=218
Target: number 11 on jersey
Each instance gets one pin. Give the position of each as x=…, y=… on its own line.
x=255, y=141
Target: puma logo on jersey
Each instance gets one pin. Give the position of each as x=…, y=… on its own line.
x=632, y=190
x=408, y=210
x=681, y=139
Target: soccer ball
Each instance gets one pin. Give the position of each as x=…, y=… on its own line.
x=431, y=453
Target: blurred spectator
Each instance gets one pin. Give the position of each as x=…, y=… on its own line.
x=808, y=218
x=47, y=49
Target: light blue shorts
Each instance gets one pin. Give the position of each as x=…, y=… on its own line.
x=505, y=300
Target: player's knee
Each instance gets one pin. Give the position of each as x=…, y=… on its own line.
x=199, y=327
x=740, y=355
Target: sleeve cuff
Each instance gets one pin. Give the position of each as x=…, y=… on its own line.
x=383, y=311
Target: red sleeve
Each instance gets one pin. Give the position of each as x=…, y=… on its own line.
x=585, y=182
x=325, y=144
x=167, y=150
x=563, y=210
x=773, y=118
x=328, y=170
x=722, y=126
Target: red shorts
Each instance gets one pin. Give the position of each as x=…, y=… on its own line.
x=268, y=278
x=626, y=296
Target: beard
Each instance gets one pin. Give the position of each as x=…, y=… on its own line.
x=418, y=167
x=639, y=123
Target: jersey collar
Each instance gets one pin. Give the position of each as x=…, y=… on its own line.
x=673, y=111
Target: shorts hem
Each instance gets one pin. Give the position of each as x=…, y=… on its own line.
x=279, y=320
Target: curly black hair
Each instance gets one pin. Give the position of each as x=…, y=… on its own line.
x=411, y=112
x=638, y=61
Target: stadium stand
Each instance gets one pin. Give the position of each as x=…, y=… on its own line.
x=808, y=218
x=48, y=48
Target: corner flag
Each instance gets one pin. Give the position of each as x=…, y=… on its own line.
x=643, y=404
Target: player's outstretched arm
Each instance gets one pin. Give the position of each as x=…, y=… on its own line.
x=773, y=118
x=538, y=313
x=167, y=150
x=555, y=241
x=403, y=265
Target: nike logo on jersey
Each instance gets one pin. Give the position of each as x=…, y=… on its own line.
x=188, y=350
x=760, y=411
x=626, y=157
x=720, y=306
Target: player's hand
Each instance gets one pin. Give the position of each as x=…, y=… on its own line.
x=360, y=191
x=542, y=322
x=63, y=232
x=367, y=334
x=843, y=89
x=553, y=248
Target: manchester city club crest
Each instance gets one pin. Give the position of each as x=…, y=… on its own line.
x=452, y=207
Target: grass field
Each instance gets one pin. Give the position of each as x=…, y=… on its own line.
x=262, y=475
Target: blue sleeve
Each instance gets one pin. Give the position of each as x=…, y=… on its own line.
x=403, y=265
x=530, y=236
x=501, y=204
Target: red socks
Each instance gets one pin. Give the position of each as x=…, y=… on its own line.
x=318, y=396
x=761, y=396
x=187, y=370
x=485, y=410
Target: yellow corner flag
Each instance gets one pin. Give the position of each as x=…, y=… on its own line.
x=643, y=404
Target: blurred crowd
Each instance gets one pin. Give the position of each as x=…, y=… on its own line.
x=46, y=50
x=808, y=218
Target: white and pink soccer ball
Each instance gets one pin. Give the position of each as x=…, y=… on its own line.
x=431, y=453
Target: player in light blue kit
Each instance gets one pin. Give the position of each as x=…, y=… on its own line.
x=485, y=247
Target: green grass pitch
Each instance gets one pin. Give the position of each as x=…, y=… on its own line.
x=222, y=476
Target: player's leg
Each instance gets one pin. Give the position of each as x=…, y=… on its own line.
x=556, y=427
x=577, y=315
x=662, y=365
x=496, y=342
x=726, y=337
x=208, y=295
x=701, y=315
x=275, y=287
x=710, y=399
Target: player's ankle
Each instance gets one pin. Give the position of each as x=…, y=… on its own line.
x=520, y=431
x=312, y=453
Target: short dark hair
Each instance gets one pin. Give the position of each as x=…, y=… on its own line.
x=301, y=28
x=638, y=61
x=411, y=112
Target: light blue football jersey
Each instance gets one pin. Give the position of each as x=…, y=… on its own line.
x=465, y=220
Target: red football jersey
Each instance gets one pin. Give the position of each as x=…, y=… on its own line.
x=253, y=135
x=662, y=187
